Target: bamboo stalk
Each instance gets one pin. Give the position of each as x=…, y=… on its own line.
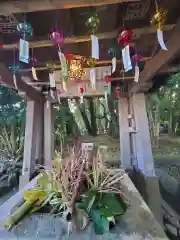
x=18, y=214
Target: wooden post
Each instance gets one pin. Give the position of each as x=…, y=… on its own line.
x=33, y=140
x=39, y=126
x=146, y=181
x=48, y=134
x=125, y=153
x=142, y=137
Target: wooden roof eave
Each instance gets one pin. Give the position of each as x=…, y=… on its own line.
x=161, y=59
x=24, y=6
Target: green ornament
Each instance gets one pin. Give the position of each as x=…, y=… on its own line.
x=93, y=22
x=112, y=52
x=51, y=66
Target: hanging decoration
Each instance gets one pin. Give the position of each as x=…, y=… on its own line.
x=81, y=91
x=33, y=62
x=107, y=90
x=64, y=70
x=25, y=30
x=57, y=38
x=69, y=56
x=157, y=21
x=93, y=22
x=59, y=91
x=136, y=59
x=124, y=38
x=118, y=91
x=112, y=53
x=108, y=79
x=76, y=71
x=14, y=68
x=91, y=62
x=51, y=67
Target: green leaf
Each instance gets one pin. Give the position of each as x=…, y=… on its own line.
x=100, y=224
x=111, y=206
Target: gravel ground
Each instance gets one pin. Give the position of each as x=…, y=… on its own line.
x=172, y=169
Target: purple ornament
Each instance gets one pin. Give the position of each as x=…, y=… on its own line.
x=33, y=61
x=57, y=37
x=136, y=58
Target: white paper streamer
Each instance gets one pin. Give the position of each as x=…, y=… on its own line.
x=126, y=59
x=52, y=80
x=64, y=86
x=58, y=97
x=15, y=80
x=106, y=97
x=63, y=62
x=136, y=76
x=93, y=78
x=34, y=73
x=23, y=51
x=161, y=39
x=81, y=99
x=47, y=104
x=52, y=94
x=113, y=64
x=94, y=47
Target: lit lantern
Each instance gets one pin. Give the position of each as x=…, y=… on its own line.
x=57, y=37
x=76, y=69
x=124, y=37
x=118, y=91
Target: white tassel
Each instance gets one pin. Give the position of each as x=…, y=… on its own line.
x=59, y=99
x=52, y=93
x=47, y=104
x=161, y=39
x=136, y=76
x=113, y=64
x=15, y=80
x=81, y=99
x=52, y=80
x=126, y=59
x=64, y=86
x=105, y=96
x=34, y=73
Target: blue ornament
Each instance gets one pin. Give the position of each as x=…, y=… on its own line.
x=25, y=29
x=13, y=67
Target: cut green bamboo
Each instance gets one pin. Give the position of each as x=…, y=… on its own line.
x=18, y=214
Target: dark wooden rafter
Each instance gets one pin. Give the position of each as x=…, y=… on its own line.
x=7, y=7
x=160, y=60
x=81, y=39
x=7, y=79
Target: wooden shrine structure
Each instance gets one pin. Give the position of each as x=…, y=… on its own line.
x=70, y=16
